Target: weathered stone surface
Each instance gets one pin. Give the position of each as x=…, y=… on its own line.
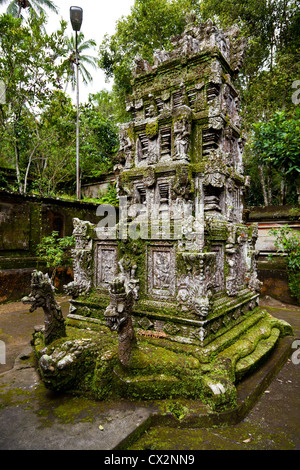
x=14, y=226
x=42, y=296
x=180, y=265
x=118, y=318
x=82, y=259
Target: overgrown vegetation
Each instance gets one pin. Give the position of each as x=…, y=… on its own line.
x=38, y=118
x=55, y=252
x=37, y=123
x=267, y=82
x=110, y=195
x=275, y=149
x=287, y=241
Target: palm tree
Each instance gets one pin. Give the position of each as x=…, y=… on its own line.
x=15, y=6
x=84, y=59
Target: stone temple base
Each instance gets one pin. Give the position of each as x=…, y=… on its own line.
x=86, y=361
x=165, y=319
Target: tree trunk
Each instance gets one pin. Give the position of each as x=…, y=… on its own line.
x=18, y=169
x=28, y=168
x=282, y=192
x=26, y=175
x=262, y=180
x=269, y=185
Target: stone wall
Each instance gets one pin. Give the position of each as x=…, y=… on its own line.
x=273, y=274
x=24, y=220
x=99, y=187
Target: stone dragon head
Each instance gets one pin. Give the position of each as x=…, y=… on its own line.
x=42, y=290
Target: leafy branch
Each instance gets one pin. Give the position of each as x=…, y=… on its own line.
x=287, y=242
x=55, y=251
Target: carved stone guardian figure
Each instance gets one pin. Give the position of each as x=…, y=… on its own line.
x=118, y=318
x=182, y=133
x=42, y=296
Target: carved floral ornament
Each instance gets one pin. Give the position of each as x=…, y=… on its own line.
x=217, y=180
x=149, y=178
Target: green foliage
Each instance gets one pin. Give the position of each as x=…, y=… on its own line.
x=31, y=66
x=177, y=409
x=110, y=196
x=15, y=7
x=104, y=102
x=273, y=158
x=55, y=251
x=99, y=142
x=3, y=182
x=85, y=60
x=149, y=26
x=38, y=122
x=277, y=142
x=287, y=241
x=54, y=160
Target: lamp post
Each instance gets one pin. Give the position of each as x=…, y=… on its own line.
x=76, y=20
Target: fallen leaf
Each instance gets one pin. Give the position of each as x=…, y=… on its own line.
x=247, y=440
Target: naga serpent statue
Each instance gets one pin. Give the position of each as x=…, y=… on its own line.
x=42, y=295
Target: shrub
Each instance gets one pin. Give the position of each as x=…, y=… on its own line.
x=287, y=241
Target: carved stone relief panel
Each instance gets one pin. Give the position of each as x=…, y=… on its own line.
x=139, y=109
x=106, y=264
x=161, y=270
x=231, y=104
x=182, y=133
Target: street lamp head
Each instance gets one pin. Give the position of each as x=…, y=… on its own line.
x=76, y=17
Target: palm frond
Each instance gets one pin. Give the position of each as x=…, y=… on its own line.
x=12, y=9
x=84, y=59
x=88, y=60
x=38, y=6
x=85, y=75
x=46, y=4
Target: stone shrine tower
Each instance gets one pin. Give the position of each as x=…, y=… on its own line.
x=174, y=279
x=180, y=178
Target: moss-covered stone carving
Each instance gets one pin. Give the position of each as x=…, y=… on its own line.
x=118, y=318
x=195, y=327
x=42, y=296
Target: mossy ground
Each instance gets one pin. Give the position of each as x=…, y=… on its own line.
x=233, y=438
x=160, y=368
